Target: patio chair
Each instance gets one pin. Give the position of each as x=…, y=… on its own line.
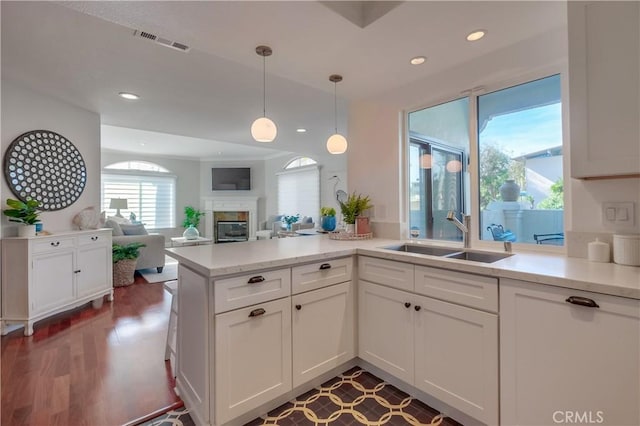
x=499, y=233
x=556, y=239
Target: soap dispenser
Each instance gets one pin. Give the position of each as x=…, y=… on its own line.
x=598, y=251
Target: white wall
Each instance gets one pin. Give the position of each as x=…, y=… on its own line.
x=24, y=110
x=187, y=182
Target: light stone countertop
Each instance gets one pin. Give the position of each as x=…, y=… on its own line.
x=557, y=270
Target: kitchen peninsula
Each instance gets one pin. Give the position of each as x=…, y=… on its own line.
x=261, y=322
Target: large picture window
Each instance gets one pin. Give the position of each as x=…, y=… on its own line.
x=150, y=191
x=299, y=189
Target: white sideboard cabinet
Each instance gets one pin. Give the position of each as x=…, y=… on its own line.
x=45, y=275
x=604, y=88
x=568, y=356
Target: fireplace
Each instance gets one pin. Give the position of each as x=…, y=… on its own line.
x=232, y=209
x=228, y=231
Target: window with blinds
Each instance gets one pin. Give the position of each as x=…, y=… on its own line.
x=299, y=192
x=150, y=196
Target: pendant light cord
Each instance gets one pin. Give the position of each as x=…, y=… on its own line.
x=335, y=105
x=264, y=86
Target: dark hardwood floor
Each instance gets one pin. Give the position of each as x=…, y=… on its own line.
x=91, y=366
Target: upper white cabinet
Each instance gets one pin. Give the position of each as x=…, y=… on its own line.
x=45, y=275
x=568, y=354
x=604, y=88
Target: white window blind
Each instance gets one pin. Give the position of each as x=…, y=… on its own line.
x=299, y=192
x=150, y=197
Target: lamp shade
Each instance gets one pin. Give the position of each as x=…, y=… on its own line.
x=337, y=144
x=264, y=130
x=118, y=203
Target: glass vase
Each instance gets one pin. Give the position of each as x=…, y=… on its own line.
x=191, y=233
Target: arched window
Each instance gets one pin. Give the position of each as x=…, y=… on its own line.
x=150, y=191
x=299, y=188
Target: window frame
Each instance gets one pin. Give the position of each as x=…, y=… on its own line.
x=472, y=166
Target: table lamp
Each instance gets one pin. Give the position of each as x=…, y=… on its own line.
x=118, y=203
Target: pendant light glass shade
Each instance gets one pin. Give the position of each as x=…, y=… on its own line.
x=264, y=129
x=336, y=144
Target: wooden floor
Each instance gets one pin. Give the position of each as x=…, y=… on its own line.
x=91, y=366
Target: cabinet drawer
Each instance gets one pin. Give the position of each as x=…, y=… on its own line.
x=53, y=244
x=458, y=287
x=94, y=239
x=233, y=293
x=321, y=274
x=386, y=272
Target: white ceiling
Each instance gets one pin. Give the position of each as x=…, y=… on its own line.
x=85, y=53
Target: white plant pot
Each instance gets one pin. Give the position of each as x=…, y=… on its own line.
x=26, y=230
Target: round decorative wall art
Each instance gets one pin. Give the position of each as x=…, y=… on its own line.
x=44, y=166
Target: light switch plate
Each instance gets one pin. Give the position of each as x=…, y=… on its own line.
x=618, y=215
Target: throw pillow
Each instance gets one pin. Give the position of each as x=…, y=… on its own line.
x=118, y=219
x=133, y=229
x=116, y=231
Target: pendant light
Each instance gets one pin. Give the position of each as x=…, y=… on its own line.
x=263, y=129
x=336, y=144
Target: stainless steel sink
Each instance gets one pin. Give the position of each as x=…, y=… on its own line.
x=428, y=250
x=477, y=256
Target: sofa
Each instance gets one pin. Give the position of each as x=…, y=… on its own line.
x=151, y=255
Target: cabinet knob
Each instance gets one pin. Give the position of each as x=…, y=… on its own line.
x=95, y=238
x=77, y=271
x=325, y=266
x=257, y=312
x=582, y=301
x=256, y=279
x=55, y=243
x=407, y=305
x=298, y=307
x=417, y=307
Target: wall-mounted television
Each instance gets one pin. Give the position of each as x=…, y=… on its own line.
x=230, y=179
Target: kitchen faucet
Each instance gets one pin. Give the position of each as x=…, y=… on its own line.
x=464, y=227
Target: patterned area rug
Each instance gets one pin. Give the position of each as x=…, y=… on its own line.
x=356, y=397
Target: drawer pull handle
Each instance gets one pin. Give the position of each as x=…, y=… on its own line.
x=325, y=266
x=417, y=307
x=94, y=238
x=77, y=271
x=55, y=244
x=257, y=312
x=582, y=301
x=407, y=305
x=256, y=279
x=298, y=307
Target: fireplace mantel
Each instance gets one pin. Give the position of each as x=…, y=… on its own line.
x=231, y=204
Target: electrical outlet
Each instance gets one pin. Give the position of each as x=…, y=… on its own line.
x=618, y=215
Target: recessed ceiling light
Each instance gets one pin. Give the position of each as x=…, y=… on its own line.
x=301, y=130
x=418, y=60
x=129, y=96
x=142, y=144
x=476, y=35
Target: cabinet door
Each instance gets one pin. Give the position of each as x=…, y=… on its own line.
x=457, y=357
x=52, y=283
x=604, y=87
x=385, y=325
x=253, y=357
x=323, y=333
x=94, y=266
x=561, y=362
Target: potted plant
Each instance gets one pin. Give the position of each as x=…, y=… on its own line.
x=328, y=218
x=289, y=220
x=353, y=207
x=24, y=212
x=191, y=222
x=125, y=258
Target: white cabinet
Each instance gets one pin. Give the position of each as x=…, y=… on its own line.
x=563, y=361
x=323, y=331
x=253, y=357
x=385, y=329
x=42, y=276
x=604, y=88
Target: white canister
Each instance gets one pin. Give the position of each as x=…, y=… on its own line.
x=626, y=249
x=598, y=251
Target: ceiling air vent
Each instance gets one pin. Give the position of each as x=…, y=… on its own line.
x=163, y=41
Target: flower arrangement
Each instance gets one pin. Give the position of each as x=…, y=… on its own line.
x=290, y=220
x=354, y=206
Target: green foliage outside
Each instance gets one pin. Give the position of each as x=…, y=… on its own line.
x=495, y=168
x=192, y=217
x=555, y=201
x=128, y=251
x=354, y=206
x=22, y=212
